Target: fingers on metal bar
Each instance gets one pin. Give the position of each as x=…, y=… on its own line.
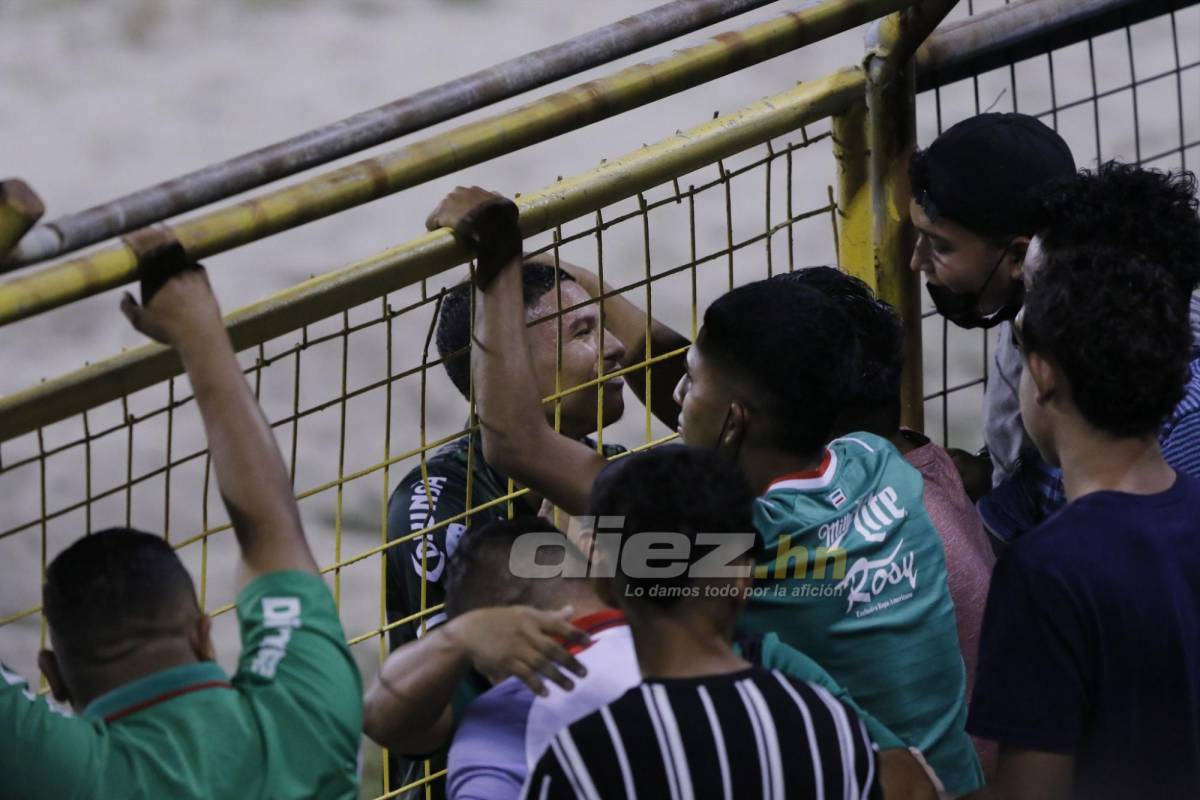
x=160, y=257
x=20, y=208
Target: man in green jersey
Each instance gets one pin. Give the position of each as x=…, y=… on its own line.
x=855, y=575
x=131, y=652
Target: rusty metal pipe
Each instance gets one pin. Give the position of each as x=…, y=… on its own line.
x=320, y=297
x=373, y=127
x=337, y=190
x=1022, y=30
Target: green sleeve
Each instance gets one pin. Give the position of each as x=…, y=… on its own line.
x=294, y=647
x=44, y=752
x=791, y=662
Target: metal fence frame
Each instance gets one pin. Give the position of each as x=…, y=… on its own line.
x=872, y=108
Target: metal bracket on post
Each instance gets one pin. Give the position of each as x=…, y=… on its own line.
x=20, y=207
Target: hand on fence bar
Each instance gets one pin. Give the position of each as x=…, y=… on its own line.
x=485, y=220
x=178, y=308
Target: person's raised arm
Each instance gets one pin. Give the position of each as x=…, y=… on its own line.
x=408, y=707
x=629, y=324
x=251, y=474
x=517, y=438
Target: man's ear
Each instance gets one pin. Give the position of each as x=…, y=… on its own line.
x=1016, y=256
x=200, y=638
x=48, y=664
x=1044, y=376
x=735, y=429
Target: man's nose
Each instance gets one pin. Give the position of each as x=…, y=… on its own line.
x=920, y=255
x=614, y=348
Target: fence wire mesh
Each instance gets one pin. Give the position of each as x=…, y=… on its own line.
x=351, y=433
x=1131, y=94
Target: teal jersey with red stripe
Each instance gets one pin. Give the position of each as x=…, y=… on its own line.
x=854, y=576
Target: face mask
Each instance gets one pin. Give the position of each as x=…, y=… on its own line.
x=963, y=309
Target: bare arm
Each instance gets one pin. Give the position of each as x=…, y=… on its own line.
x=517, y=439
x=628, y=323
x=408, y=707
x=250, y=471
x=1034, y=775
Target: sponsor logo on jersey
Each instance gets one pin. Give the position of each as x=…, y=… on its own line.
x=876, y=514
x=427, y=557
x=868, y=578
x=282, y=616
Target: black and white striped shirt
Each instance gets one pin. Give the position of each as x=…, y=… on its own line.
x=745, y=735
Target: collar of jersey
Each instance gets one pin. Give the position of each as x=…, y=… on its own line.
x=809, y=479
x=598, y=622
x=155, y=688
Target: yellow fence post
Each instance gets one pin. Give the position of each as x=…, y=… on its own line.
x=891, y=136
x=856, y=226
x=20, y=207
x=874, y=142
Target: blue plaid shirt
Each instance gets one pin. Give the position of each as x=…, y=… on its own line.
x=1035, y=490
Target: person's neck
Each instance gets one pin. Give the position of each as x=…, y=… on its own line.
x=583, y=599
x=763, y=465
x=146, y=661
x=672, y=643
x=1095, y=462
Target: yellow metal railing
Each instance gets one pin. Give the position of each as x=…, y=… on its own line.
x=342, y=363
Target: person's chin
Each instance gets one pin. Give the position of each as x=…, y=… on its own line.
x=614, y=407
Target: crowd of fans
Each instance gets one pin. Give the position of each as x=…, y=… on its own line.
x=800, y=599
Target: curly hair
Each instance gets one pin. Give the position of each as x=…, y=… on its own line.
x=1149, y=213
x=1114, y=326
x=795, y=349
x=678, y=489
x=875, y=392
x=453, y=336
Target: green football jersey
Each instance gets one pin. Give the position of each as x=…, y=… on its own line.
x=287, y=725
x=854, y=576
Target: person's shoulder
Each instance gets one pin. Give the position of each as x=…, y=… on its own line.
x=451, y=460
x=508, y=701
x=860, y=444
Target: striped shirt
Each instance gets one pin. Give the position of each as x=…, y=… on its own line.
x=749, y=734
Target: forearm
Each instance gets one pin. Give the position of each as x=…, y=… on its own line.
x=506, y=396
x=250, y=471
x=407, y=708
x=629, y=323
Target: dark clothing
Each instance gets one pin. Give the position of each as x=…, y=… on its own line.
x=1091, y=643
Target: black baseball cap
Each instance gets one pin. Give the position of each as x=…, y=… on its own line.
x=982, y=172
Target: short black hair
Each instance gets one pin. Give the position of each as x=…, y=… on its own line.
x=1149, y=213
x=454, y=320
x=794, y=347
x=1113, y=324
x=875, y=394
x=478, y=573
x=114, y=587
x=673, y=488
